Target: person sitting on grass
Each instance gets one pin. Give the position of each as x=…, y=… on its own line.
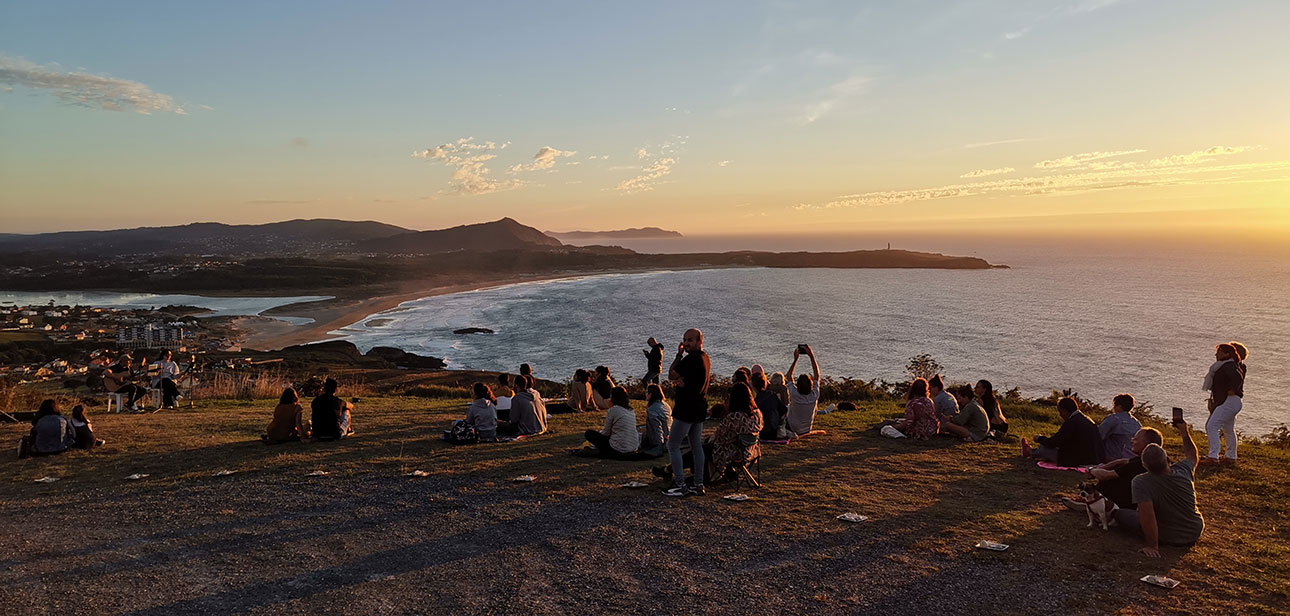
x=1115, y=478
x=528, y=411
x=920, y=420
x=619, y=437
x=580, y=392
x=804, y=397
x=602, y=388
x=84, y=429
x=287, y=421
x=1075, y=443
x=984, y=392
x=943, y=401
x=724, y=449
x=969, y=422
x=658, y=420
x=51, y=433
x=504, y=394
x=332, y=416
x=772, y=409
x=482, y=413
x=1118, y=428
x=1166, y=498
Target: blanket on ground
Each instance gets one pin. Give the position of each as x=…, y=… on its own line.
x=1046, y=465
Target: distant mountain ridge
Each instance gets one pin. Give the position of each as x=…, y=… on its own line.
x=635, y=233
x=504, y=234
x=311, y=236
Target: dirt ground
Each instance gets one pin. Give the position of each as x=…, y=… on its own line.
x=365, y=538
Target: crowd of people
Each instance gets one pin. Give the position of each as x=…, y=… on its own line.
x=1152, y=498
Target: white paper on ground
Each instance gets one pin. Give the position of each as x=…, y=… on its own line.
x=47, y=480
x=524, y=478
x=991, y=545
x=316, y=474
x=416, y=473
x=736, y=497
x=1160, y=580
x=633, y=484
x=853, y=517
x=136, y=476
x=223, y=473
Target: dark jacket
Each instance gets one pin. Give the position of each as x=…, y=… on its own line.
x=772, y=413
x=1229, y=377
x=1077, y=442
x=325, y=411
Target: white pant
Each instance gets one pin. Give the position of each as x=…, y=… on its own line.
x=1223, y=419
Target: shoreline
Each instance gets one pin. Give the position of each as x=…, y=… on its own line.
x=265, y=333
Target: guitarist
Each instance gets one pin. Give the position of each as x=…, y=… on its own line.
x=119, y=379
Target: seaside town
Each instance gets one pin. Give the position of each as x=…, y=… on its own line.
x=77, y=337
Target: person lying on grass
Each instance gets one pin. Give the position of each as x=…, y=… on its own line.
x=1166, y=498
x=1076, y=443
x=482, y=413
x=969, y=422
x=619, y=437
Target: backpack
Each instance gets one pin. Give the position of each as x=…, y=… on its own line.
x=461, y=433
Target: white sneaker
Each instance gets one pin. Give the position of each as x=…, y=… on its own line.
x=677, y=491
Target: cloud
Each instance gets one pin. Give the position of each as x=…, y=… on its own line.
x=986, y=144
x=649, y=176
x=1193, y=168
x=832, y=97
x=1016, y=34
x=467, y=158
x=1199, y=155
x=84, y=89
x=543, y=160
x=980, y=173
x=1081, y=160
x=642, y=154
x=1088, y=6
x=594, y=157
x=723, y=163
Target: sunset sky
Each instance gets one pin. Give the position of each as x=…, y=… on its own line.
x=705, y=117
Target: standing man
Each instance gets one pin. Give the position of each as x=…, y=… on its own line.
x=691, y=371
x=654, y=362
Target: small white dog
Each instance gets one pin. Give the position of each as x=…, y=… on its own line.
x=1101, y=510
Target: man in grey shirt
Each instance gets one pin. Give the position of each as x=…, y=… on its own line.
x=1118, y=428
x=1166, y=498
x=945, y=404
x=528, y=410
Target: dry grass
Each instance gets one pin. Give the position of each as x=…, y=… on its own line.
x=574, y=542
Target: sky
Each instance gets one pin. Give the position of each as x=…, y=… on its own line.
x=715, y=117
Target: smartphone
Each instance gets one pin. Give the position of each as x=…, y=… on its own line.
x=1178, y=415
x=355, y=400
x=802, y=348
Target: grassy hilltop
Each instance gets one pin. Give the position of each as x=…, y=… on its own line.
x=365, y=538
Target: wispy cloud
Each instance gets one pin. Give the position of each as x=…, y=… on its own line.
x=470, y=176
x=649, y=176
x=1016, y=34
x=1080, y=160
x=723, y=163
x=84, y=89
x=543, y=160
x=986, y=144
x=642, y=154
x=980, y=173
x=1088, y=6
x=1193, y=168
x=832, y=97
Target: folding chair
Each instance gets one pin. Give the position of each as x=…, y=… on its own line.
x=743, y=473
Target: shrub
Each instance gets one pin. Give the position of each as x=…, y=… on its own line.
x=922, y=366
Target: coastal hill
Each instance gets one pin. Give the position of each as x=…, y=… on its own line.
x=504, y=234
x=316, y=236
x=635, y=233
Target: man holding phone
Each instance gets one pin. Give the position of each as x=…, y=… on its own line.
x=690, y=371
x=1166, y=497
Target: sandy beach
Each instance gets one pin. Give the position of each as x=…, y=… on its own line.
x=268, y=334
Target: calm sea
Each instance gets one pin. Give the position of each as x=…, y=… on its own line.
x=1097, y=319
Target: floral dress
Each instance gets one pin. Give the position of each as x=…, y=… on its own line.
x=920, y=419
x=727, y=451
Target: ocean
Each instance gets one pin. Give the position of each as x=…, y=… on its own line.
x=1098, y=319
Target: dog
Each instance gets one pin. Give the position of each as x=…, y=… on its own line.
x=1101, y=510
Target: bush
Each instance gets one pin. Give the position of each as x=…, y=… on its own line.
x=922, y=366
